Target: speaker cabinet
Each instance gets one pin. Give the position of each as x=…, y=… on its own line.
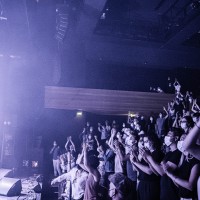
x=5, y=173
x=10, y=187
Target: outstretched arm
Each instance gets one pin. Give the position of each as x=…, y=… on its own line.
x=97, y=141
x=111, y=141
x=67, y=143
x=195, y=107
x=61, y=178
x=51, y=151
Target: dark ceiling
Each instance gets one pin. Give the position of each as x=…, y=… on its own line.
x=163, y=26
x=156, y=21
x=152, y=31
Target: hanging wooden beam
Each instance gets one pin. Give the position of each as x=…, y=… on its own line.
x=107, y=102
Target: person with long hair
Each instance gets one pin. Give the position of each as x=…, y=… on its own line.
x=149, y=183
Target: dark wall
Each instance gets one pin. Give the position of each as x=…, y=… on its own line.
x=105, y=75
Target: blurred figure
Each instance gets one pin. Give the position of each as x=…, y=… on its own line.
x=105, y=133
x=160, y=125
x=55, y=152
x=119, y=187
x=151, y=125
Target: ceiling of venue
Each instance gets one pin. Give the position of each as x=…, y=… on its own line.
x=152, y=31
x=156, y=21
x=161, y=28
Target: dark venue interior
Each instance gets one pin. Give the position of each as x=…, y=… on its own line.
x=103, y=58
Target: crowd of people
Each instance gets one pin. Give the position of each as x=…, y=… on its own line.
x=154, y=158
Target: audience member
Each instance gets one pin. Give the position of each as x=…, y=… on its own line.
x=149, y=183
x=77, y=177
x=55, y=152
x=121, y=157
x=167, y=188
x=187, y=173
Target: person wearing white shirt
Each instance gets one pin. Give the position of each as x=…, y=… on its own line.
x=77, y=176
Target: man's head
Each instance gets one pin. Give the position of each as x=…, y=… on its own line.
x=133, y=139
x=128, y=131
x=91, y=129
x=151, y=118
x=172, y=137
x=196, y=117
x=55, y=143
x=106, y=122
x=186, y=122
x=93, y=160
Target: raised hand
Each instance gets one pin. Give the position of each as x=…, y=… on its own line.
x=85, y=146
x=144, y=153
x=116, y=143
x=165, y=167
x=113, y=133
x=53, y=181
x=83, y=130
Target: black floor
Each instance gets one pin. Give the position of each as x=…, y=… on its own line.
x=49, y=192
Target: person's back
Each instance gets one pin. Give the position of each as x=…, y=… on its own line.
x=90, y=164
x=91, y=188
x=76, y=178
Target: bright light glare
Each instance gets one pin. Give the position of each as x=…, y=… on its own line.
x=79, y=113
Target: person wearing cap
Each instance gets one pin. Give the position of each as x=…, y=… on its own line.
x=119, y=187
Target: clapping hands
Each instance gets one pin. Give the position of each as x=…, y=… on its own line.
x=144, y=153
x=69, y=138
x=166, y=169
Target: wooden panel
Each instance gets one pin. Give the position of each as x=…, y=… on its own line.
x=111, y=102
